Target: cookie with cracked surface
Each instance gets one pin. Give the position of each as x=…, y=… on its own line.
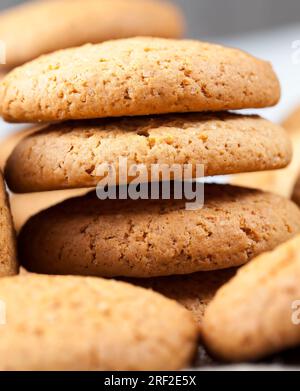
x=149, y=238
x=136, y=76
x=8, y=256
x=252, y=315
x=64, y=24
x=194, y=291
x=69, y=155
x=121, y=327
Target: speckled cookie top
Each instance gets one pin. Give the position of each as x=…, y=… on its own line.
x=136, y=76
x=148, y=238
x=46, y=26
x=254, y=314
x=69, y=155
x=75, y=323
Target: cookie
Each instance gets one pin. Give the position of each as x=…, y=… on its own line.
x=136, y=76
x=194, y=291
x=280, y=181
x=255, y=313
x=69, y=155
x=8, y=256
x=121, y=327
x=46, y=26
x=149, y=238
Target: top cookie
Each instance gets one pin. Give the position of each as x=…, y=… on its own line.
x=45, y=26
x=137, y=76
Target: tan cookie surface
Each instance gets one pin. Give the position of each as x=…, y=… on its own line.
x=137, y=76
x=69, y=155
x=76, y=323
x=8, y=256
x=148, y=238
x=255, y=314
x=194, y=291
x=46, y=26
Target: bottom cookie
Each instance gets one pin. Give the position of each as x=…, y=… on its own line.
x=151, y=238
x=257, y=313
x=194, y=291
x=81, y=323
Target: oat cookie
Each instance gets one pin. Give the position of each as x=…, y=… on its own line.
x=8, y=256
x=148, y=238
x=136, y=76
x=81, y=323
x=46, y=26
x=194, y=291
x=69, y=155
x=252, y=315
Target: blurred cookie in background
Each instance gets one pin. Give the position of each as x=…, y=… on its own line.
x=296, y=192
x=24, y=206
x=282, y=181
x=46, y=26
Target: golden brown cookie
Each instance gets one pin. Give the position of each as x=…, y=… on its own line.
x=69, y=155
x=8, y=257
x=280, y=181
x=148, y=238
x=194, y=291
x=257, y=312
x=46, y=26
x=80, y=323
x=136, y=76
x=24, y=206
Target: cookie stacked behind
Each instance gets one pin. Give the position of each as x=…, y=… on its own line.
x=160, y=89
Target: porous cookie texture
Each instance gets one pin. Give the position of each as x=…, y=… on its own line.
x=46, y=26
x=147, y=238
x=81, y=323
x=8, y=257
x=194, y=291
x=78, y=154
x=136, y=76
x=255, y=314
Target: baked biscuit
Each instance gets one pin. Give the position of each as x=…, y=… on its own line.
x=46, y=26
x=8, y=256
x=194, y=291
x=136, y=76
x=69, y=155
x=255, y=314
x=149, y=238
x=80, y=323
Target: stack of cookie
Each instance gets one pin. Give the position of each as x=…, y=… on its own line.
x=146, y=100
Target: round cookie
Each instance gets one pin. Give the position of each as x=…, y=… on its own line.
x=193, y=291
x=80, y=323
x=255, y=313
x=8, y=257
x=46, y=26
x=69, y=155
x=136, y=76
x=149, y=238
